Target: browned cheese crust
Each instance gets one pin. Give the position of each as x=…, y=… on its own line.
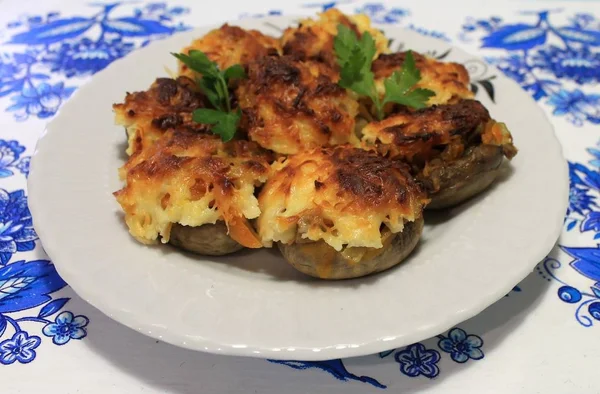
x=230, y=45
x=291, y=106
x=193, y=179
x=419, y=135
x=148, y=114
x=313, y=39
x=445, y=144
x=341, y=195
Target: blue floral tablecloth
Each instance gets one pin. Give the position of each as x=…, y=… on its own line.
x=541, y=338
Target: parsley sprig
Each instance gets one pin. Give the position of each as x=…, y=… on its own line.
x=214, y=84
x=355, y=57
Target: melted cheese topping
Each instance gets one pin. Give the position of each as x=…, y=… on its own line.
x=148, y=114
x=292, y=105
x=340, y=195
x=193, y=179
x=313, y=39
x=416, y=136
x=230, y=45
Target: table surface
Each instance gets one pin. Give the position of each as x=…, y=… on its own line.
x=540, y=338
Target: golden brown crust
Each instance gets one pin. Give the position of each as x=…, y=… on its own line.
x=376, y=180
x=313, y=39
x=193, y=179
x=161, y=164
x=416, y=134
x=168, y=103
x=341, y=195
x=449, y=81
x=291, y=105
x=454, y=149
x=230, y=45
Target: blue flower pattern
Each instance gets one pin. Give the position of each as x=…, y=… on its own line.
x=23, y=165
x=416, y=360
x=60, y=47
x=583, y=215
x=66, y=327
x=583, y=212
x=16, y=226
x=586, y=261
x=41, y=56
x=25, y=285
x=578, y=106
x=581, y=64
x=561, y=73
x=461, y=346
x=21, y=347
x=11, y=158
x=86, y=56
x=42, y=100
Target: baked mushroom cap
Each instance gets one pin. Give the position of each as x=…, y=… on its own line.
x=207, y=239
x=353, y=201
x=322, y=261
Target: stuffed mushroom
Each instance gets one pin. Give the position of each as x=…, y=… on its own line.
x=341, y=212
x=455, y=149
x=195, y=192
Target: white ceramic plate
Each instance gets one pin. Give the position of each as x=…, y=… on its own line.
x=253, y=303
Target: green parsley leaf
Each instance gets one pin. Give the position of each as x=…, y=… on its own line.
x=409, y=74
x=235, y=71
x=354, y=76
x=399, y=86
x=214, y=85
x=199, y=62
x=208, y=86
x=224, y=123
x=355, y=58
x=223, y=92
x=368, y=47
x=415, y=98
x=343, y=44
